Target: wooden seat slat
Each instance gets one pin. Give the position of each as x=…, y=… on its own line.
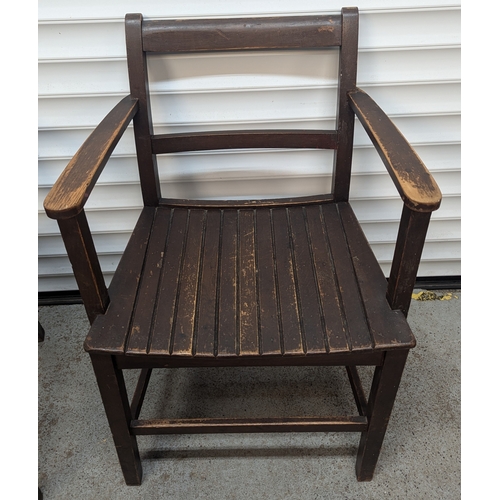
x=289, y=307
x=185, y=317
x=297, y=280
x=164, y=319
x=247, y=284
x=269, y=327
x=359, y=337
x=333, y=314
x=207, y=301
x=148, y=288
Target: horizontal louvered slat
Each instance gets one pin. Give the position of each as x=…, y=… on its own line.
x=270, y=185
x=227, y=72
x=97, y=39
x=94, y=9
x=318, y=99
x=254, y=163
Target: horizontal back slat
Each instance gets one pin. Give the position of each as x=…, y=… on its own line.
x=244, y=139
x=241, y=34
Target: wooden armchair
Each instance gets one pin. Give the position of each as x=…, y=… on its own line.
x=249, y=282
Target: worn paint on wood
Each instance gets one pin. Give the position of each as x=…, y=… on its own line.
x=249, y=282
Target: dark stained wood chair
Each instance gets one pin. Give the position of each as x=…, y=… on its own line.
x=251, y=282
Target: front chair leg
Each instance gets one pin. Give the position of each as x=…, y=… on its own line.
x=114, y=396
x=382, y=395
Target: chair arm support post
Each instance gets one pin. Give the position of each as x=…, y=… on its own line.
x=73, y=187
x=407, y=254
x=86, y=268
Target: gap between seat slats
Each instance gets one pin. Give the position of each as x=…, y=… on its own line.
x=241, y=273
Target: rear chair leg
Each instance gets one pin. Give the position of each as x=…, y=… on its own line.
x=115, y=400
x=381, y=400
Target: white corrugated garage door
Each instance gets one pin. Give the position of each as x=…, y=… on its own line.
x=409, y=62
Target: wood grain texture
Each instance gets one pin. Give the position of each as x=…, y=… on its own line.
x=110, y=332
x=220, y=425
x=277, y=281
x=115, y=399
x=409, y=245
x=348, y=68
x=143, y=122
x=373, y=286
x=414, y=182
x=194, y=35
x=357, y=358
x=86, y=267
x=271, y=202
x=284, y=282
x=383, y=392
x=71, y=190
x=205, y=141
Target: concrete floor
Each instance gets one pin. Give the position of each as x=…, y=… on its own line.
x=420, y=457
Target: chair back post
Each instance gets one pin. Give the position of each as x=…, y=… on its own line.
x=348, y=64
x=143, y=123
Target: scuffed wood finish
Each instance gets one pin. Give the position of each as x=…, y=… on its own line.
x=143, y=122
x=357, y=358
x=194, y=35
x=123, y=289
x=219, y=283
x=71, y=190
x=383, y=392
x=271, y=202
x=114, y=396
x=357, y=389
x=415, y=184
x=373, y=286
x=140, y=392
x=409, y=246
x=251, y=282
x=221, y=425
x=348, y=68
x=205, y=141
x=81, y=251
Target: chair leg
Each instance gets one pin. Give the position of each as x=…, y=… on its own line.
x=114, y=397
x=381, y=400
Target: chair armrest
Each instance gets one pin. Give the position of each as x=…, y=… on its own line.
x=414, y=182
x=418, y=189
x=67, y=197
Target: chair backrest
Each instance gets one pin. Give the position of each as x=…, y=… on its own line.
x=278, y=33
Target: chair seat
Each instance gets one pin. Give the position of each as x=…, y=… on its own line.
x=222, y=283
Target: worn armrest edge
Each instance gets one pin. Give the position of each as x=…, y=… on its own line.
x=413, y=181
x=71, y=190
